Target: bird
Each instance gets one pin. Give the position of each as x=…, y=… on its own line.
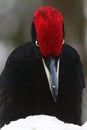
x=44, y=75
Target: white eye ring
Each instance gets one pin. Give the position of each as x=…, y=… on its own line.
x=63, y=42
x=36, y=43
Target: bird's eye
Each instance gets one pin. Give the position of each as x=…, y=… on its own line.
x=36, y=43
x=63, y=42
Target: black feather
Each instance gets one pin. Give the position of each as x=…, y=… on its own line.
x=24, y=88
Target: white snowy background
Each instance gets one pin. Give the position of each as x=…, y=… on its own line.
x=14, y=20
x=42, y=122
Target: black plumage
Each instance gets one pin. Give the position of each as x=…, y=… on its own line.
x=24, y=88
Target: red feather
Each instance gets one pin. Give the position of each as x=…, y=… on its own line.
x=48, y=24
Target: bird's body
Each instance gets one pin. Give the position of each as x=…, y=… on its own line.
x=24, y=88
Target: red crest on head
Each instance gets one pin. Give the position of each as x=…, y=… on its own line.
x=48, y=24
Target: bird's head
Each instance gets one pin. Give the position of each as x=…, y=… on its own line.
x=48, y=24
x=48, y=33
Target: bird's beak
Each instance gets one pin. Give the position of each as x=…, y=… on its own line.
x=53, y=67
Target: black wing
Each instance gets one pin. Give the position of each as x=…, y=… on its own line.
x=71, y=86
x=14, y=81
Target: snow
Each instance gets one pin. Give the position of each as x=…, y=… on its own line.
x=42, y=122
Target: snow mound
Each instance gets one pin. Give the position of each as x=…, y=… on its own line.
x=42, y=122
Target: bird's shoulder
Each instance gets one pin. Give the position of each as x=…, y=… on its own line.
x=24, y=52
x=70, y=53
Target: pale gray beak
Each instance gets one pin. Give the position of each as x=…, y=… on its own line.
x=54, y=79
x=53, y=67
